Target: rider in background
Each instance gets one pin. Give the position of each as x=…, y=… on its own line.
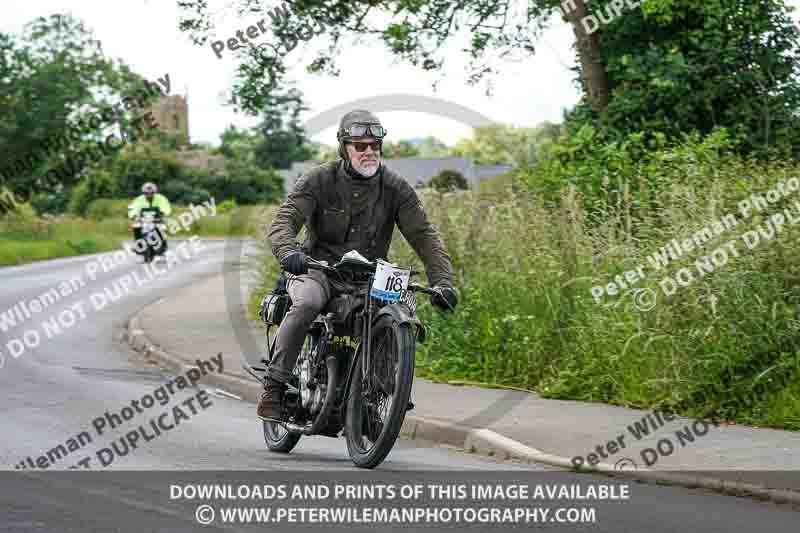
x=150, y=200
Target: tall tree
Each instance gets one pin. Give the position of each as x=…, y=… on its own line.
x=651, y=65
x=53, y=77
x=284, y=139
x=501, y=144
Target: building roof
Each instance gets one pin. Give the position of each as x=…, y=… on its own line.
x=417, y=171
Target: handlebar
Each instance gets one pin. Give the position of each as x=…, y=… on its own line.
x=313, y=264
x=420, y=288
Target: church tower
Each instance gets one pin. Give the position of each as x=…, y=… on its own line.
x=171, y=112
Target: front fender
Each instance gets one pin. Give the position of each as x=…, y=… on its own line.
x=401, y=314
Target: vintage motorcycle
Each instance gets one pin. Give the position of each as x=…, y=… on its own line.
x=356, y=368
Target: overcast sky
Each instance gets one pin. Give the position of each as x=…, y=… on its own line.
x=145, y=35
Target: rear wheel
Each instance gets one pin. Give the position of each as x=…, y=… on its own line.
x=376, y=407
x=277, y=437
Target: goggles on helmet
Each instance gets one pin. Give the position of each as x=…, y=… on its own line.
x=363, y=130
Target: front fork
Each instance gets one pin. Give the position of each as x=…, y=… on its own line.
x=367, y=355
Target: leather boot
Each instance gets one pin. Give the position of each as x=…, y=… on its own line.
x=270, y=406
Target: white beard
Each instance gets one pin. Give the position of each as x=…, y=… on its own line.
x=368, y=170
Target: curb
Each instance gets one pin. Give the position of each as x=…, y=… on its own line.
x=466, y=438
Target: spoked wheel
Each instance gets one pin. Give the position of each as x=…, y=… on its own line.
x=277, y=437
x=377, y=404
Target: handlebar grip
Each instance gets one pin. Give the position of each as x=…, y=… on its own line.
x=422, y=289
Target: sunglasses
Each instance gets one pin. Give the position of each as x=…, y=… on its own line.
x=361, y=147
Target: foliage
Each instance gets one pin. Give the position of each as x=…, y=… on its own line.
x=668, y=67
x=398, y=150
x=502, y=144
x=240, y=179
x=226, y=206
x=277, y=141
x=411, y=30
x=238, y=143
x=324, y=152
x=245, y=183
x=104, y=209
x=284, y=139
x=599, y=169
x=678, y=66
x=449, y=180
x=431, y=147
x=51, y=81
x=183, y=192
x=99, y=184
x=53, y=203
x=687, y=351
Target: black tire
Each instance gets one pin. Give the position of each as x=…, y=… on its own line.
x=400, y=339
x=278, y=439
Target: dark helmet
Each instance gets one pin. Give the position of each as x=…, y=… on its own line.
x=358, y=123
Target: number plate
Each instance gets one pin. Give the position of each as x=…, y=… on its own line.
x=410, y=299
x=389, y=281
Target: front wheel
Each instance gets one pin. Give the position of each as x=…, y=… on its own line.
x=376, y=407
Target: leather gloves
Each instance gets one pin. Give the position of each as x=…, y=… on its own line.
x=295, y=263
x=446, y=299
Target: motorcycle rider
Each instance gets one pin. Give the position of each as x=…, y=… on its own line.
x=150, y=200
x=352, y=203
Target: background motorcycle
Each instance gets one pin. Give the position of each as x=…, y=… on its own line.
x=356, y=368
x=150, y=221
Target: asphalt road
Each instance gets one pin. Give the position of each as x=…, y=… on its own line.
x=55, y=390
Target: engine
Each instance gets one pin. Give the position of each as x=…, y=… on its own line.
x=312, y=387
